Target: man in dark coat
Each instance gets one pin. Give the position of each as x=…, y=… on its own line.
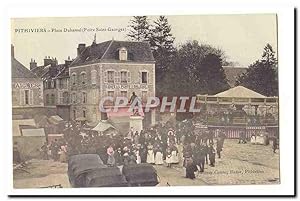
x=191, y=168
x=275, y=144
x=54, y=150
x=16, y=154
x=212, y=155
x=201, y=152
x=219, y=147
x=119, y=157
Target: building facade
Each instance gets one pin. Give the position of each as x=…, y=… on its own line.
x=111, y=68
x=55, y=84
x=27, y=91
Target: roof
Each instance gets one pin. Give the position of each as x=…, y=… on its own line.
x=239, y=92
x=37, y=132
x=233, y=73
x=17, y=123
x=55, y=119
x=103, y=126
x=18, y=70
x=44, y=71
x=108, y=51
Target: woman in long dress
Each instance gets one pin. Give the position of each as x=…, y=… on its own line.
x=150, y=154
x=159, y=157
x=174, y=155
x=63, y=154
x=111, y=159
x=138, y=155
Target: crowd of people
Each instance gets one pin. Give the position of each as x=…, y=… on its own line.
x=167, y=145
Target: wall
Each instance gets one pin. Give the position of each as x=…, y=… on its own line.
x=98, y=87
x=35, y=87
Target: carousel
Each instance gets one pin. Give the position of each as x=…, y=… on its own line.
x=240, y=109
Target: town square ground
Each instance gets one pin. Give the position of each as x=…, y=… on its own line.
x=239, y=164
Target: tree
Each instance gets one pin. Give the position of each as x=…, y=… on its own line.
x=262, y=76
x=139, y=29
x=210, y=75
x=195, y=69
x=162, y=44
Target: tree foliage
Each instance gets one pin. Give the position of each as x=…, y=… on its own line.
x=196, y=69
x=139, y=29
x=162, y=44
x=262, y=76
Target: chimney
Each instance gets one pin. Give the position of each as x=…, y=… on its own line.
x=12, y=51
x=47, y=61
x=33, y=64
x=68, y=61
x=80, y=48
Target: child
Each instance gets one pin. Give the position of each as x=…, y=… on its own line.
x=168, y=157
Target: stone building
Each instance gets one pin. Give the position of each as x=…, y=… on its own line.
x=55, y=84
x=111, y=68
x=27, y=90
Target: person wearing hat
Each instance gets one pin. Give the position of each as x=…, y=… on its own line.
x=119, y=157
x=150, y=154
x=212, y=154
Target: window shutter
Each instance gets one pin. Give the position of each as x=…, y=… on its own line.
x=30, y=97
x=105, y=77
x=148, y=76
x=22, y=97
x=140, y=77
x=128, y=77
x=94, y=76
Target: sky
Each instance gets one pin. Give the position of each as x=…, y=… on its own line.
x=241, y=37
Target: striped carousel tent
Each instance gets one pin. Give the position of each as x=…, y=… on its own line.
x=239, y=91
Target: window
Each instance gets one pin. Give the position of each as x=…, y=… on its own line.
x=47, y=99
x=73, y=98
x=94, y=77
x=52, y=84
x=110, y=76
x=62, y=83
x=124, y=77
x=84, y=113
x=123, y=54
x=111, y=93
x=52, y=99
x=48, y=84
x=65, y=97
x=123, y=93
x=74, y=114
x=73, y=78
x=26, y=97
x=84, y=97
x=83, y=77
x=144, y=77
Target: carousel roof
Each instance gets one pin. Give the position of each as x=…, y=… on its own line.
x=103, y=126
x=240, y=92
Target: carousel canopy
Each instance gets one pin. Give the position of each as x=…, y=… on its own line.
x=239, y=91
x=103, y=125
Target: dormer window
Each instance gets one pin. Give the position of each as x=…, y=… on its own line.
x=123, y=54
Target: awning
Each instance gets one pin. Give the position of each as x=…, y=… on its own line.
x=55, y=119
x=37, y=132
x=81, y=119
x=103, y=125
x=22, y=122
